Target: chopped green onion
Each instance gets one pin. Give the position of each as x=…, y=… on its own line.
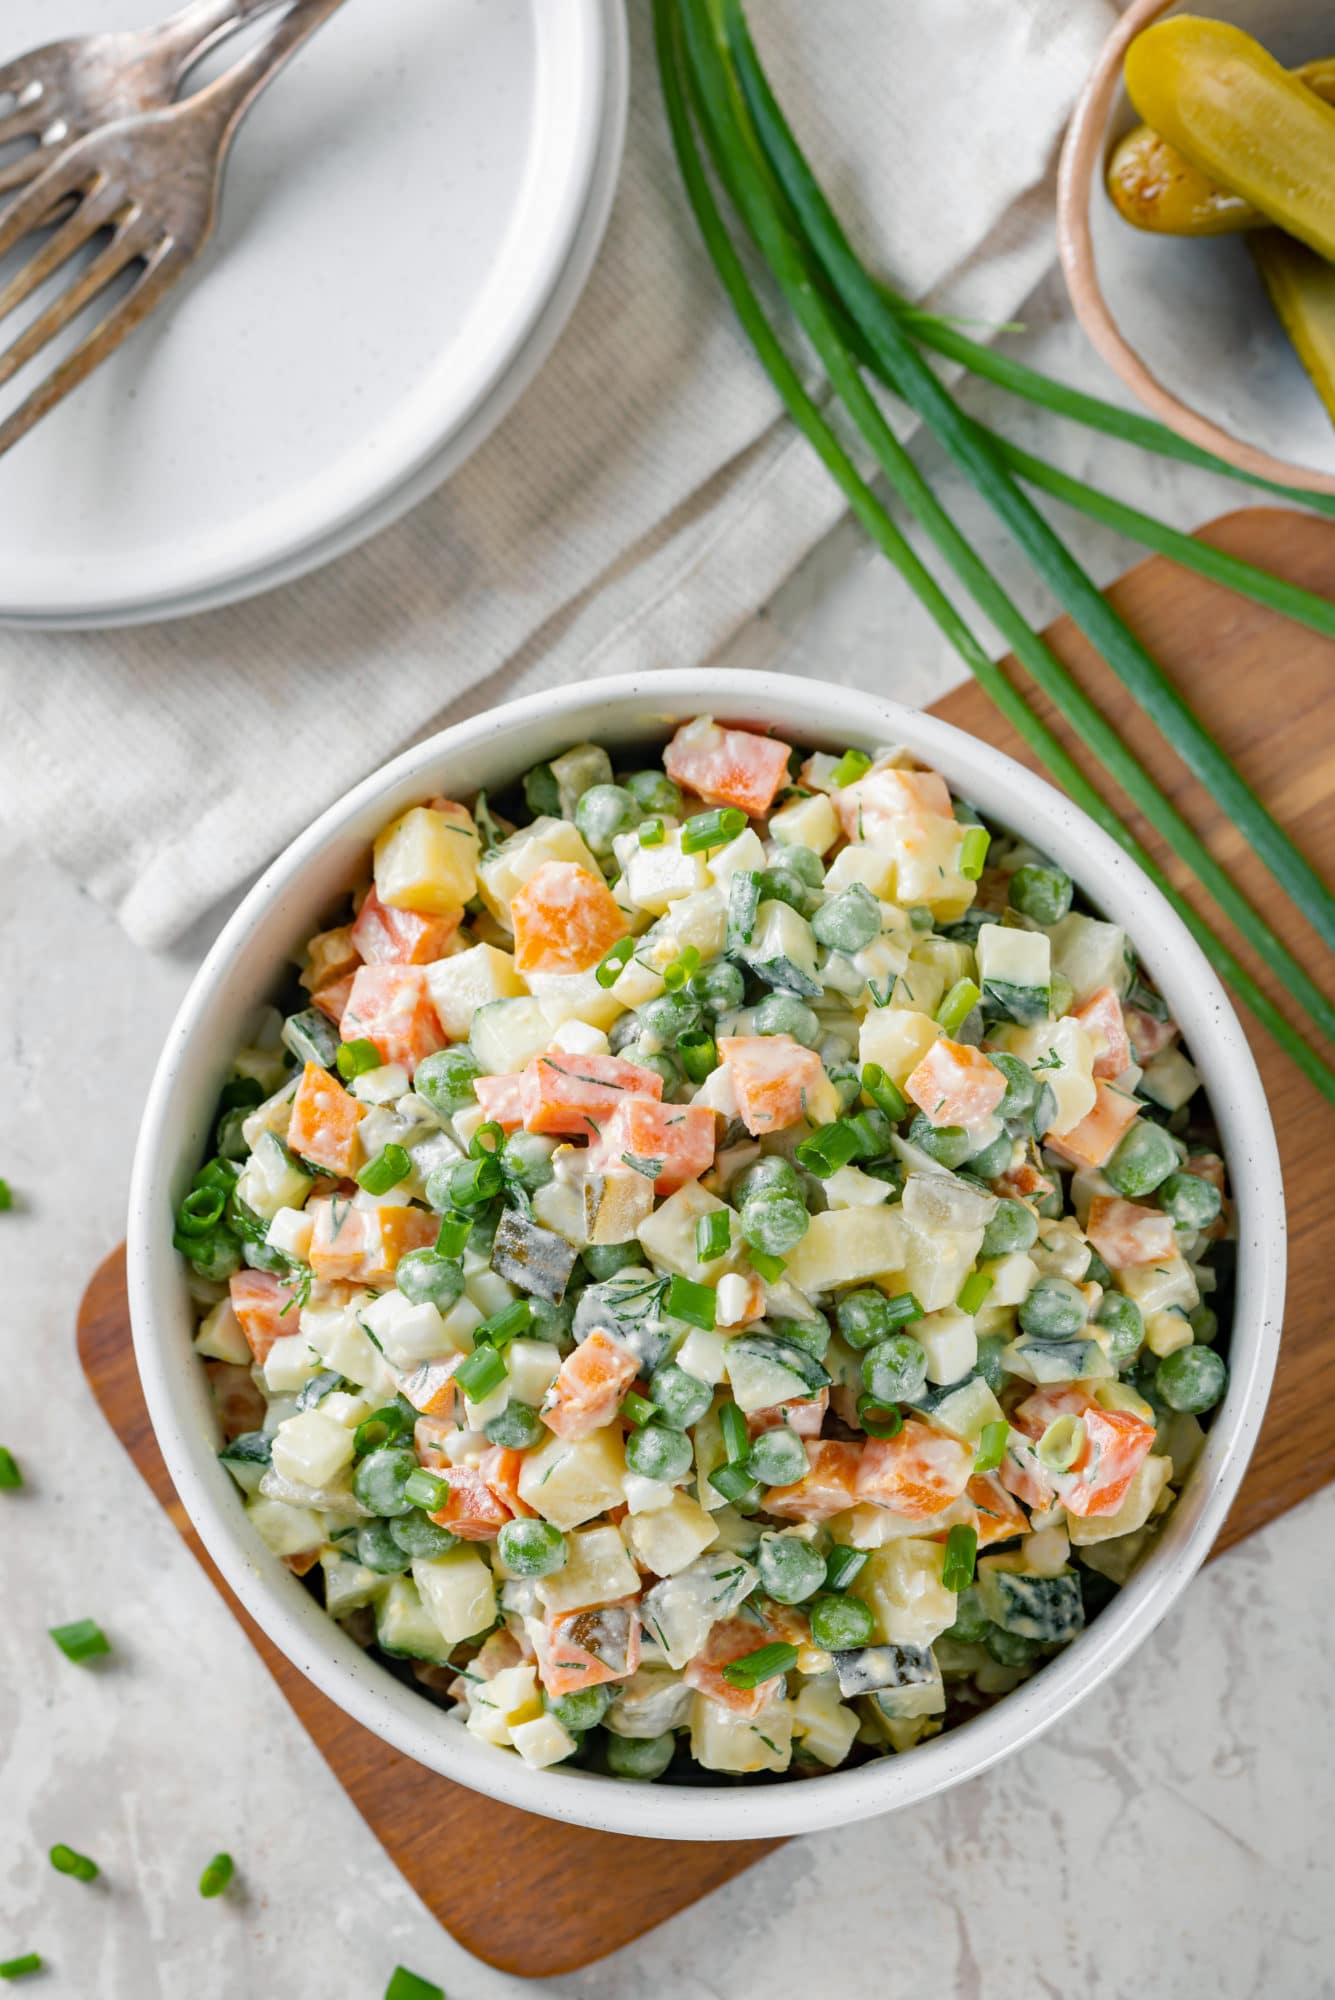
x=735, y=1483
x=483, y=1371
x=609, y=969
x=1061, y=1443
x=842, y=1565
x=390, y=1166
x=884, y=1094
x=201, y=1211
x=18, y=1968
x=10, y=1476
x=505, y=1326
x=957, y=1006
x=354, y=1059
x=991, y=1446
x=712, y=829
x=961, y=1555
x=454, y=1233
x=765, y=1664
x=652, y=833
x=6, y=1196
x=217, y=1875
x=713, y=1234
x=426, y=1489
x=853, y=765
x=828, y=1149
x=676, y=975
x=696, y=1304
x=406, y=1985
x=488, y=1138
x=66, y=1862
x=381, y=1427
x=83, y=1640
x=736, y=1436
x=974, y=1291
x=698, y=1052
x=766, y=1265
x=879, y=1420
x=637, y=1409
x=973, y=852
x=473, y=1182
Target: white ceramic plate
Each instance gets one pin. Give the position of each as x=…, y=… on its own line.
x=247, y=967
x=401, y=209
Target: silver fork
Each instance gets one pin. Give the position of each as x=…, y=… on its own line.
x=69, y=88
x=153, y=180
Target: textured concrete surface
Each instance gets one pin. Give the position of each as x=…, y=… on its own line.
x=1170, y=1837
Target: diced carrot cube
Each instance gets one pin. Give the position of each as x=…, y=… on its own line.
x=956, y=1085
x=917, y=1472
x=1023, y=1474
x=728, y=767
x=1124, y=1233
x=324, y=1122
x=259, y=1300
x=472, y=1509
x=998, y=1517
x=678, y=1139
x=890, y=794
x=579, y=1649
x=731, y=1639
x=774, y=1078
x=1116, y=1445
x=1101, y=1016
x=565, y=919
x=1148, y=1035
x=430, y=1436
x=329, y=955
x=805, y=1415
x=502, y=1099
x=1023, y=1183
x=431, y=1388
x=589, y=1386
x=1095, y=1138
x=576, y=1095
x=364, y=1245
x=828, y=1487
x=500, y=1468
x=333, y=997
x=404, y=937
x=390, y=1006
x=237, y=1399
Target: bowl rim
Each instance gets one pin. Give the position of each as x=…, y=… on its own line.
x=174, y=1387
x=1079, y=170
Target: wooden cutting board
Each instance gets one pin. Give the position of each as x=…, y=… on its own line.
x=1268, y=691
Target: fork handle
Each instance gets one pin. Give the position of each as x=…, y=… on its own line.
x=231, y=95
x=191, y=33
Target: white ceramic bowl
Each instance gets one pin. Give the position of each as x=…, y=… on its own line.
x=247, y=966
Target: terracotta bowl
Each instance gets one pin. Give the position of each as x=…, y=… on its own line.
x=1186, y=322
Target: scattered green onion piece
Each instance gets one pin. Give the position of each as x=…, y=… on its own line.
x=961, y=1555
x=454, y=1233
x=405, y=1985
x=66, y=1862
x=991, y=1446
x=652, y=833
x=506, y=1325
x=6, y=1196
x=766, y=1265
x=713, y=1234
x=10, y=1476
x=974, y=1291
x=735, y=1483
x=1061, y=1443
x=853, y=765
x=828, y=1149
x=736, y=1436
x=879, y=1420
x=637, y=1409
x=765, y=1664
x=483, y=1371
x=696, y=1304
x=698, y=1052
x=676, y=975
x=842, y=1565
x=19, y=1968
x=390, y=1166
x=426, y=1490
x=957, y=1006
x=973, y=852
x=201, y=1211
x=884, y=1094
x=476, y=1181
x=609, y=969
x=83, y=1640
x=487, y=1139
x=712, y=829
x=354, y=1059
x=382, y=1427
x=216, y=1876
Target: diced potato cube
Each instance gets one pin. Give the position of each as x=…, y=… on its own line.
x=289, y=1365
x=542, y=1742
x=333, y=1332
x=271, y=1180
x=1166, y=1331
x=407, y=1333
x=936, y=1263
x=458, y=1591
x=597, y=1570
x=616, y=1203
x=507, y=1034
x=291, y=1231
x=897, y=1038
x=533, y=1365
x=849, y=1187
x=722, y=1740
x=1090, y=954
x=806, y=823
x=901, y=1586
x=1155, y=1287
x=310, y=1449
x=568, y=1481
x=824, y=1725
x=948, y=1339
x=287, y=1530
x=576, y=996
x=460, y=985
x=1013, y=1278
x=668, y=1234
x=746, y=851
x=427, y=860
x=654, y=877
x=968, y=1412
x=220, y=1337
x=698, y=921
x=560, y=1205
x=670, y=1537
x=1170, y=1080
x=845, y=1244
x=865, y=861
x=704, y=1355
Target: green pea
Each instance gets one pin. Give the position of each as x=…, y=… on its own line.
x=425, y=1277
x=1124, y=1324
x=518, y=1427
x=778, y=1458
x=603, y=812
x=719, y=988
x=1193, y=1379
x=804, y=862
x=550, y=1322
x=774, y=1223
x=839, y=1623
x=655, y=1452
x=670, y=1015
x=1204, y=1324
x=785, y=1014
x=1144, y=1157
x=1097, y=1271
x=849, y=921
x=895, y=1370
x=864, y=1317
x=418, y=1536
x=1013, y=1226
x=994, y=1159
x=527, y=1161
x=949, y=1145
x=1053, y=1310
x=1041, y=893
x=790, y=1570
x=654, y=792
x=446, y=1079
x=771, y=1174
x=380, y=1478
x=642, y=1757
x=531, y=1547
x=378, y=1549
x=583, y=1709
x=1192, y=1202
x=682, y=1399
x=604, y=1260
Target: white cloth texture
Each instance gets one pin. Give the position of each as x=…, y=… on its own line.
x=644, y=498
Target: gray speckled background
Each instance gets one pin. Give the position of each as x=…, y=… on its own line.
x=1171, y=1836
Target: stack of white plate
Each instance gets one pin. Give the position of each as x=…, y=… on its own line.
x=409, y=216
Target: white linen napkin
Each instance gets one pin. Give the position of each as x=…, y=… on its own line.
x=643, y=499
